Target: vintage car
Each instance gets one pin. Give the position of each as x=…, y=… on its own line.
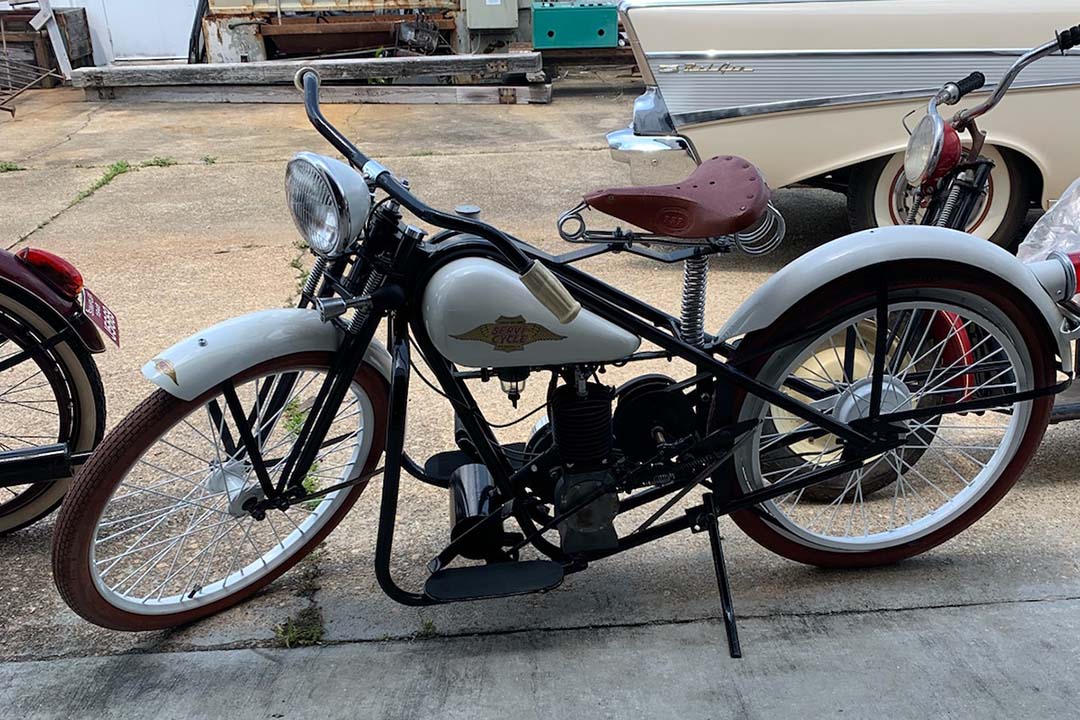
x=815, y=91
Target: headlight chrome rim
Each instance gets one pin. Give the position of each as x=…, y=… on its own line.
x=329, y=202
x=927, y=141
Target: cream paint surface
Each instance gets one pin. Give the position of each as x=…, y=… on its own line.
x=1029, y=121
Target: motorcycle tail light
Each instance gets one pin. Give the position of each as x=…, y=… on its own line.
x=55, y=270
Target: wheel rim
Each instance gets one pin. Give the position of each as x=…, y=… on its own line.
x=36, y=404
x=174, y=536
x=893, y=196
x=961, y=457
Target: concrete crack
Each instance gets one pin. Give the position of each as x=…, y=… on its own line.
x=86, y=123
x=442, y=636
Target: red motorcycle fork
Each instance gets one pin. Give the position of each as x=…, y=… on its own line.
x=956, y=354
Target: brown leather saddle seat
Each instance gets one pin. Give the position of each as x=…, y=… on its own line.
x=724, y=195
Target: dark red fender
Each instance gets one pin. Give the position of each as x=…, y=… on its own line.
x=21, y=282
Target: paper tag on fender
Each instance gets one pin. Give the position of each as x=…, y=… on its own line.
x=101, y=315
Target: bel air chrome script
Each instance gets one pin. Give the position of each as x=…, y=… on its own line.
x=709, y=67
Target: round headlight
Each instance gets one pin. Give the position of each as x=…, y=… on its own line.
x=924, y=149
x=329, y=202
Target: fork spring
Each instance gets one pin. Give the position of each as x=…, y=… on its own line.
x=314, y=277
x=373, y=284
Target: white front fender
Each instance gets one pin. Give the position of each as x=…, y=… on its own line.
x=820, y=266
x=192, y=366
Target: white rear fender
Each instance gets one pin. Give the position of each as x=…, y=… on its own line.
x=192, y=366
x=788, y=287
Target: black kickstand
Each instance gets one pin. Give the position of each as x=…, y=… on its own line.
x=712, y=525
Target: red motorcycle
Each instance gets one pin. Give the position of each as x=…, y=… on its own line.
x=53, y=413
x=945, y=181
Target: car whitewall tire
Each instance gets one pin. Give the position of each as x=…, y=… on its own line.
x=878, y=197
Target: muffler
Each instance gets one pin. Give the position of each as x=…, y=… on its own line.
x=472, y=491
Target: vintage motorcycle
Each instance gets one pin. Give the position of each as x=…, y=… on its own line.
x=945, y=183
x=54, y=403
x=265, y=429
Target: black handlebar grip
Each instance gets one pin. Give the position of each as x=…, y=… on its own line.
x=1069, y=38
x=971, y=83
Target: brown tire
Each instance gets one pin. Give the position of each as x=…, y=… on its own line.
x=770, y=527
x=159, y=414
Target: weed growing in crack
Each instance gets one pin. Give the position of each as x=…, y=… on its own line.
x=111, y=173
x=302, y=629
x=306, y=627
x=6, y=167
x=209, y=159
x=158, y=161
x=427, y=630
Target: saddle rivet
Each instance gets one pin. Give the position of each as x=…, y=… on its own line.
x=742, y=209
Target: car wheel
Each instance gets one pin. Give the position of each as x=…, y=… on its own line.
x=874, y=201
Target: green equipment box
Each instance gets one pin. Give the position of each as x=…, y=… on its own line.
x=571, y=24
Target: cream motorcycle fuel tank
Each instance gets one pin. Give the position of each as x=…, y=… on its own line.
x=478, y=314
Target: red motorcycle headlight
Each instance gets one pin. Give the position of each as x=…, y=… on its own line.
x=952, y=150
x=54, y=269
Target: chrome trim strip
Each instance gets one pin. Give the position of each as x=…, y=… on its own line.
x=704, y=86
x=627, y=5
x=703, y=116
x=635, y=45
x=693, y=55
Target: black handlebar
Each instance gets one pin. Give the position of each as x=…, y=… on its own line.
x=1069, y=38
x=971, y=83
x=309, y=79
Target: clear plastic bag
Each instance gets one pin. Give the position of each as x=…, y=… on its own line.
x=1058, y=229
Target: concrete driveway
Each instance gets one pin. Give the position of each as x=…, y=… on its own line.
x=196, y=231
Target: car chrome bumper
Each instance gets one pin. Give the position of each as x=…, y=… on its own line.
x=653, y=159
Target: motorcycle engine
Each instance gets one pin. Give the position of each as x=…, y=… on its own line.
x=581, y=426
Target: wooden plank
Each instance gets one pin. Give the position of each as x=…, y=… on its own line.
x=379, y=94
x=369, y=26
x=282, y=71
x=248, y=7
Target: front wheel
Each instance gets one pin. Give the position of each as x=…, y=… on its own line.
x=879, y=196
x=953, y=466
x=156, y=530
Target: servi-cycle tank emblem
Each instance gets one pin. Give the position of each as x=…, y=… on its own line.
x=510, y=334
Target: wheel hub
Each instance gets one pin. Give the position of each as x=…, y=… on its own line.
x=854, y=402
x=230, y=477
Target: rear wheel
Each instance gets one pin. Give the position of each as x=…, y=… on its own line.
x=49, y=396
x=878, y=196
x=156, y=531
x=952, y=468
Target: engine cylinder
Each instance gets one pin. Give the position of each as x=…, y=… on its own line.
x=581, y=424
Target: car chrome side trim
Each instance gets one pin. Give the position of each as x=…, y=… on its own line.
x=699, y=87
x=627, y=5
